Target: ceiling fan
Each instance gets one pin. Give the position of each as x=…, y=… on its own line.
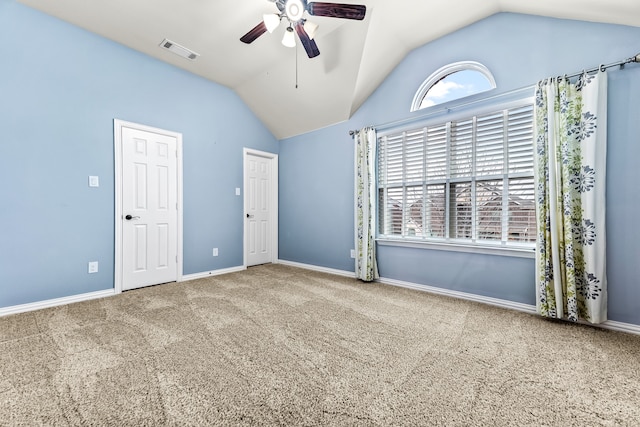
x=293, y=11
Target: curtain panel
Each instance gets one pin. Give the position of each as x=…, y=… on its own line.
x=365, y=199
x=570, y=174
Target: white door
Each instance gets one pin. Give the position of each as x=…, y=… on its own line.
x=260, y=208
x=149, y=208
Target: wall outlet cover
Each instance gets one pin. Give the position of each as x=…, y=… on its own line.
x=93, y=267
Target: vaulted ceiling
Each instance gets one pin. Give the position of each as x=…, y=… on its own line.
x=355, y=58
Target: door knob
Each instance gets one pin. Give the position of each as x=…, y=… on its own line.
x=249, y=216
x=129, y=217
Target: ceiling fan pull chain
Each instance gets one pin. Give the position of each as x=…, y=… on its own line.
x=296, y=67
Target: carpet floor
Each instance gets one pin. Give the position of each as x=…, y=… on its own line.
x=277, y=345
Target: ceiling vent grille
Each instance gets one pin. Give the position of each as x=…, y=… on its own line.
x=179, y=50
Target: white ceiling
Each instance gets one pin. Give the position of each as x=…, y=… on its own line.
x=355, y=58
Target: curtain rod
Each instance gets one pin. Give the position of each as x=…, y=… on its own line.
x=602, y=67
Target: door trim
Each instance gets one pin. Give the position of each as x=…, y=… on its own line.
x=117, y=145
x=274, y=203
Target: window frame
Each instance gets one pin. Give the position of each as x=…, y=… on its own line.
x=513, y=249
x=444, y=72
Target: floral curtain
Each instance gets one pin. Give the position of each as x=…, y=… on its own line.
x=570, y=171
x=365, y=197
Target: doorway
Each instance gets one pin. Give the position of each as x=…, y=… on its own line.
x=148, y=223
x=260, y=207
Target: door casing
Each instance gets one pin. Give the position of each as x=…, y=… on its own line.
x=117, y=132
x=273, y=203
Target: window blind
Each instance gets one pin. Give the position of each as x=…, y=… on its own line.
x=468, y=180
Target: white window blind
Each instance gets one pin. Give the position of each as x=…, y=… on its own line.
x=468, y=180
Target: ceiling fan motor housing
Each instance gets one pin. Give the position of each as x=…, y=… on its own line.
x=294, y=9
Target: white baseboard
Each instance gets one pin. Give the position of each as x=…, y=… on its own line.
x=629, y=328
x=511, y=305
x=23, y=308
x=38, y=305
x=317, y=268
x=526, y=308
x=212, y=273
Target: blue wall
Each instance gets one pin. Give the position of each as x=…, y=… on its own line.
x=316, y=169
x=60, y=89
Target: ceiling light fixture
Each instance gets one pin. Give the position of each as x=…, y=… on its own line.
x=272, y=21
x=310, y=28
x=289, y=39
x=294, y=10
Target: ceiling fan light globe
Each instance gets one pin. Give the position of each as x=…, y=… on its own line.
x=272, y=21
x=294, y=10
x=311, y=29
x=289, y=39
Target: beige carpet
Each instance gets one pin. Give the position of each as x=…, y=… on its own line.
x=277, y=345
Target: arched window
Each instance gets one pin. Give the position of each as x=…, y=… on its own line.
x=453, y=81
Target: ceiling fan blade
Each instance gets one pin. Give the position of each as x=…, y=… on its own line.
x=309, y=45
x=256, y=32
x=337, y=10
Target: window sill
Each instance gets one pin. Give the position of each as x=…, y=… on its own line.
x=488, y=249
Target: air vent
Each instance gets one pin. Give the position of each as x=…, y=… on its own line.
x=179, y=50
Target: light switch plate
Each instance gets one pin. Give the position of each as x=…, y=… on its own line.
x=237, y=191
x=94, y=181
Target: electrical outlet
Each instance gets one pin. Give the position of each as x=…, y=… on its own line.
x=215, y=251
x=353, y=253
x=94, y=181
x=93, y=267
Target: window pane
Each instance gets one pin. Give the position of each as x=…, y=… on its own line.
x=461, y=148
x=489, y=212
x=522, y=210
x=382, y=211
x=436, y=211
x=413, y=212
x=414, y=156
x=520, y=134
x=394, y=161
x=490, y=145
x=460, y=211
x=382, y=163
x=436, y=146
x=393, y=212
x=456, y=85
